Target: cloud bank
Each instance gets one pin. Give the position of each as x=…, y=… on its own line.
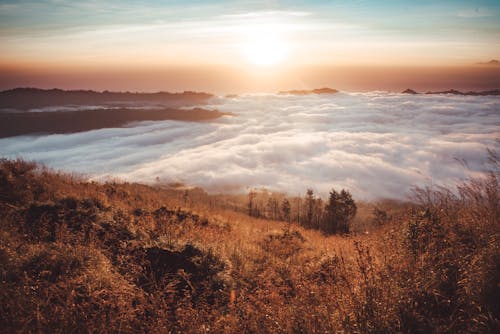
x=375, y=144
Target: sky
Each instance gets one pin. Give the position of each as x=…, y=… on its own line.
x=225, y=46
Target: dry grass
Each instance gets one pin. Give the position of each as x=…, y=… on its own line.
x=86, y=257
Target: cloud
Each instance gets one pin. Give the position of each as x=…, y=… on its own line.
x=375, y=144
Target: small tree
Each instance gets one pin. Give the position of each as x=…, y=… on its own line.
x=273, y=208
x=318, y=213
x=339, y=211
x=286, y=208
x=251, y=198
x=380, y=217
x=185, y=197
x=297, y=209
x=310, y=201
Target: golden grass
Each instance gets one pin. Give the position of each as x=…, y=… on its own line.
x=79, y=256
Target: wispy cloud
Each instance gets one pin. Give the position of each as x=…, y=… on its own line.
x=476, y=13
x=177, y=31
x=266, y=14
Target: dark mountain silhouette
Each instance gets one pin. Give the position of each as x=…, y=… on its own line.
x=27, y=98
x=456, y=92
x=16, y=124
x=409, y=91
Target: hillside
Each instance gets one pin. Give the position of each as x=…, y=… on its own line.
x=27, y=98
x=493, y=92
x=35, y=123
x=78, y=256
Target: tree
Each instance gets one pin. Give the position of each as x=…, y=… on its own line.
x=298, y=206
x=380, y=217
x=273, y=208
x=185, y=197
x=339, y=211
x=318, y=213
x=286, y=208
x=251, y=198
x=310, y=201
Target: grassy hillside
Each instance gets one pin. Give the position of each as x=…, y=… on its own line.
x=79, y=256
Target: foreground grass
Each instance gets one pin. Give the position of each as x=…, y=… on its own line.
x=86, y=257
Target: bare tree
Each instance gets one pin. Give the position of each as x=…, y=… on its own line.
x=251, y=202
x=286, y=209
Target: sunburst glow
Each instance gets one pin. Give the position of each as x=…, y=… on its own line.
x=266, y=52
x=265, y=44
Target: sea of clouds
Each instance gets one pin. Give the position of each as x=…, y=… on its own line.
x=377, y=145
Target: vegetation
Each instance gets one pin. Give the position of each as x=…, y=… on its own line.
x=79, y=256
x=334, y=217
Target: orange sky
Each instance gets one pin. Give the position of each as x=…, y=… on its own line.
x=241, y=46
x=223, y=80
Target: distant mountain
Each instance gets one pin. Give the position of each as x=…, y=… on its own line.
x=35, y=123
x=324, y=90
x=492, y=62
x=409, y=91
x=456, y=92
x=28, y=98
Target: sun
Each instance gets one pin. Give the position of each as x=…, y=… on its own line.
x=265, y=51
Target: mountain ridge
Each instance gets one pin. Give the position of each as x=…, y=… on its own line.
x=24, y=98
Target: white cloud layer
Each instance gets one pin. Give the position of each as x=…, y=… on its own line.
x=375, y=144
